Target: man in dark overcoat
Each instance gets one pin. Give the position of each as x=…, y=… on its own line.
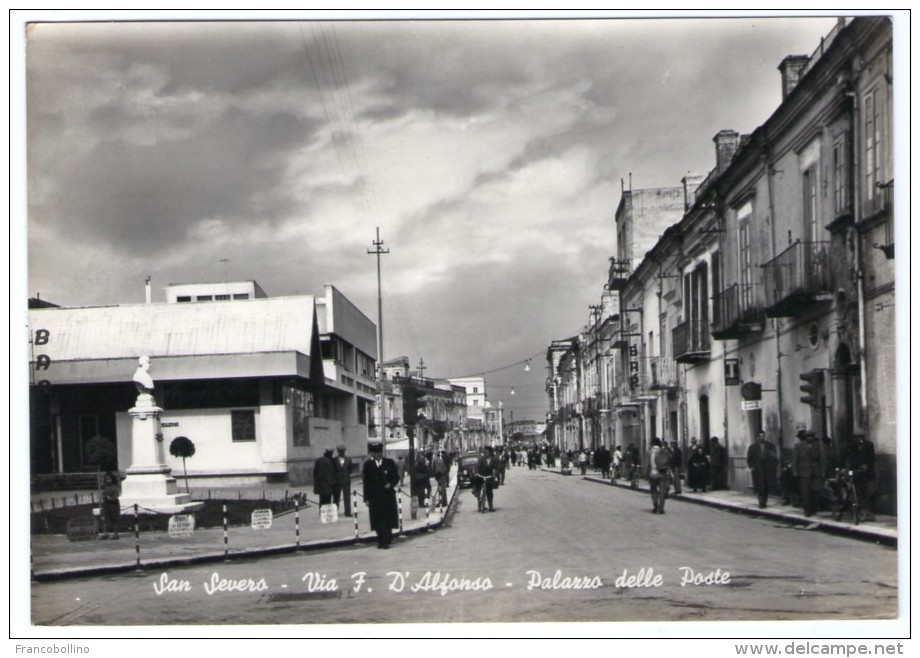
x=325, y=477
x=763, y=461
x=808, y=464
x=381, y=477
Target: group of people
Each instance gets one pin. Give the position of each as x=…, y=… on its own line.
x=332, y=478
x=430, y=465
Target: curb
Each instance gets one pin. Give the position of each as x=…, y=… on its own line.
x=832, y=527
x=242, y=553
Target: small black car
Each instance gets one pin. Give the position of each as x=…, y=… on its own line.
x=466, y=467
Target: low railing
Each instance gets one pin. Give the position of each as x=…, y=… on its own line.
x=690, y=341
x=735, y=306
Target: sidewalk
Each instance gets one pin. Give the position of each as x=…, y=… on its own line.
x=883, y=530
x=55, y=556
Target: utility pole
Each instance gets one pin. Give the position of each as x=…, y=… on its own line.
x=421, y=368
x=378, y=250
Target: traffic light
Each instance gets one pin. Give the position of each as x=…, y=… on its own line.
x=412, y=402
x=811, y=383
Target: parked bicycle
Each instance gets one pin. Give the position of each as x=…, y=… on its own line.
x=845, y=499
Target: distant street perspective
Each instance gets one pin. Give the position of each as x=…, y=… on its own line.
x=557, y=548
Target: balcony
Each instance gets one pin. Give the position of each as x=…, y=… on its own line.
x=663, y=376
x=625, y=396
x=690, y=342
x=797, y=279
x=736, y=313
x=618, y=274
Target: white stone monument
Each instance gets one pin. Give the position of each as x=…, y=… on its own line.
x=149, y=483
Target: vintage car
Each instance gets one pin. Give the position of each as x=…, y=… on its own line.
x=466, y=466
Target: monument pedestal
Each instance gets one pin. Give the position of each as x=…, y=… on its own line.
x=149, y=483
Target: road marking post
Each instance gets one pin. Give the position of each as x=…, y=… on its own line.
x=137, y=537
x=225, y=532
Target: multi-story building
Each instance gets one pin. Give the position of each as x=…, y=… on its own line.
x=261, y=385
x=774, y=293
x=475, y=433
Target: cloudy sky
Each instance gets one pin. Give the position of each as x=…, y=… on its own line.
x=489, y=153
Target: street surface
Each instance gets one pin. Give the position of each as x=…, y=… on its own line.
x=556, y=549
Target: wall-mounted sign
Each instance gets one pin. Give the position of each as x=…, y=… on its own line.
x=261, y=519
x=750, y=405
x=169, y=423
x=732, y=372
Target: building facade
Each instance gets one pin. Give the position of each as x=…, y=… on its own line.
x=261, y=386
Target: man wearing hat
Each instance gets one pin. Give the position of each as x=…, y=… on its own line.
x=808, y=463
x=325, y=477
x=381, y=478
x=343, y=485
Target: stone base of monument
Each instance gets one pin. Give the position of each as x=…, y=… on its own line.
x=155, y=493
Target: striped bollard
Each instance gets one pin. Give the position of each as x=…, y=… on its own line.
x=354, y=511
x=399, y=507
x=427, y=515
x=297, y=523
x=226, y=551
x=137, y=537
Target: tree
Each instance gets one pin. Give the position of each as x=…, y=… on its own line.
x=183, y=447
x=101, y=453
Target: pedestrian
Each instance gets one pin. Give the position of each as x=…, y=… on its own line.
x=659, y=468
x=633, y=463
x=501, y=464
x=698, y=469
x=583, y=462
x=808, y=464
x=401, y=467
x=762, y=459
x=860, y=458
x=345, y=466
x=677, y=460
x=110, y=511
x=380, y=478
x=717, y=464
x=617, y=463
x=325, y=477
x=441, y=475
x=604, y=459
x=420, y=487
x=485, y=467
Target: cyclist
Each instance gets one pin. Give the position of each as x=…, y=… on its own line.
x=486, y=467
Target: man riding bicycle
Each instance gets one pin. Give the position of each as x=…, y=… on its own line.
x=486, y=468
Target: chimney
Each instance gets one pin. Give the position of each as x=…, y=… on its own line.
x=791, y=69
x=726, y=145
x=147, y=289
x=691, y=182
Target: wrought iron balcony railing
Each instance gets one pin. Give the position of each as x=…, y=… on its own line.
x=690, y=342
x=736, y=312
x=797, y=279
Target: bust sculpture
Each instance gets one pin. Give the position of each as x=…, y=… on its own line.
x=142, y=378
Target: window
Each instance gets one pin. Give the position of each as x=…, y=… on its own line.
x=183, y=298
x=241, y=295
x=841, y=200
x=221, y=298
x=475, y=389
x=873, y=140
x=810, y=190
x=204, y=298
x=243, y=425
x=744, y=262
x=301, y=410
x=362, y=412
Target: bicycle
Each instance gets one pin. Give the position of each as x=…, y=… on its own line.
x=482, y=500
x=614, y=474
x=846, y=498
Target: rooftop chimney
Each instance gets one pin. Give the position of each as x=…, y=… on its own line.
x=691, y=182
x=147, y=289
x=726, y=145
x=791, y=69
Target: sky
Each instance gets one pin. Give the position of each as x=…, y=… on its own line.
x=491, y=154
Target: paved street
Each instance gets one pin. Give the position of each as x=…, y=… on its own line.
x=557, y=549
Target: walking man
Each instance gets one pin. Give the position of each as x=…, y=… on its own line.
x=763, y=461
x=343, y=473
x=325, y=478
x=380, y=479
x=659, y=468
